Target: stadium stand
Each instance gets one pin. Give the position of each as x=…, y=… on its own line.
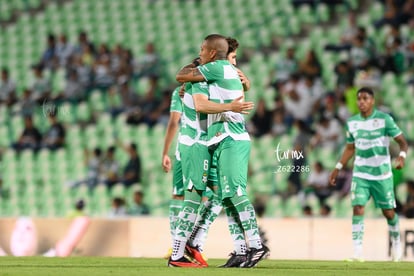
x=34, y=183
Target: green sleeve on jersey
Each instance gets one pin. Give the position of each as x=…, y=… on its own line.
x=211, y=71
x=187, y=86
x=349, y=138
x=391, y=128
x=200, y=88
x=176, y=103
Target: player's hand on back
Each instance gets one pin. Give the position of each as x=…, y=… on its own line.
x=240, y=106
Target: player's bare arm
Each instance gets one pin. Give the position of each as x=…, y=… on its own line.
x=189, y=73
x=172, y=127
x=400, y=161
x=346, y=155
x=203, y=105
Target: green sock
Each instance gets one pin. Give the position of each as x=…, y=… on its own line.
x=185, y=222
x=357, y=234
x=175, y=207
x=248, y=220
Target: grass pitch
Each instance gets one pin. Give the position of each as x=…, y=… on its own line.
x=92, y=266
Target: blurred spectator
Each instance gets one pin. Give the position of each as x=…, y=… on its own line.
x=347, y=36
x=394, y=59
x=393, y=34
x=313, y=87
x=296, y=101
x=328, y=108
x=87, y=55
x=147, y=105
x=260, y=122
x=7, y=88
x=318, y=181
x=325, y=210
x=284, y=68
x=310, y=66
x=103, y=77
x=78, y=210
x=328, y=134
x=123, y=98
x=49, y=55
x=138, y=207
x=161, y=113
x=103, y=53
x=54, y=138
x=84, y=43
x=396, y=12
x=370, y=77
x=73, y=90
x=408, y=207
x=84, y=71
x=360, y=54
x=110, y=168
x=278, y=123
x=307, y=211
x=343, y=111
x=345, y=75
x=30, y=137
x=64, y=50
x=28, y=105
x=117, y=56
x=94, y=166
x=118, y=208
x=132, y=171
x=41, y=88
x=149, y=65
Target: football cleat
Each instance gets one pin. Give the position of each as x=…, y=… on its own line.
x=169, y=253
x=235, y=260
x=182, y=262
x=195, y=254
x=255, y=255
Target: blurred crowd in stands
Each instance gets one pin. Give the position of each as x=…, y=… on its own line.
x=302, y=105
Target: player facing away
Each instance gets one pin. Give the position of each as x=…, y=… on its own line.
x=367, y=137
x=173, y=127
x=228, y=139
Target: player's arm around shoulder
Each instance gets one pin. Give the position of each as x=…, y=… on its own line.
x=190, y=73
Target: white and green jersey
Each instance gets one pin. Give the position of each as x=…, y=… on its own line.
x=193, y=124
x=224, y=86
x=176, y=105
x=371, y=137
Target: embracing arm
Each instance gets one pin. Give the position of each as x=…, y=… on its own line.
x=189, y=73
x=203, y=105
